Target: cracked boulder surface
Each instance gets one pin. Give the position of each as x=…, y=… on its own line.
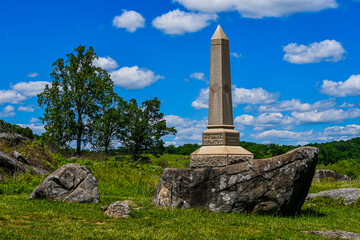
x=277, y=185
x=70, y=183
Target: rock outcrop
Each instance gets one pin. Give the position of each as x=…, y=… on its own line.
x=350, y=195
x=328, y=174
x=13, y=137
x=69, y=183
x=15, y=163
x=20, y=157
x=266, y=186
x=10, y=164
x=118, y=209
x=335, y=234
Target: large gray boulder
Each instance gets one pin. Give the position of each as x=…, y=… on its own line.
x=274, y=185
x=328, y=174
x=350, y=195
x=70, y=183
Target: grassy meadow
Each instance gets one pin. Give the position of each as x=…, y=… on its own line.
x=119, y=179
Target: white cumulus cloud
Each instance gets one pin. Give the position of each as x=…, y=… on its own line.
x=177, y=22
x=327, y=50
x=30, y=89
x=130, y=20
x=253, y=96
x=134, y=77
x=283, y=135
x=259, y=8
x=234, y=54
x=32, y=74
x=239, y=96
x=327, y=116
x=106, y=63
x=351, y=87
x=202, y=101
x=188, y=131
x=34, y=120
x=8, y=111
x=198, y=75
x=297, y=105
x=11, y=96
x=265, y=121
x=348, y=130
x=25, y=109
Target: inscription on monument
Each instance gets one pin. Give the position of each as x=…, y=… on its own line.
x=232, y=139
x=213, y=139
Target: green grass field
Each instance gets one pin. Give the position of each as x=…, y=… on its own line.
x=42, y=219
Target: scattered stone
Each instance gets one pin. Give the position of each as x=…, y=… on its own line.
x=14, y=137
x=70, y=183
x=38, y=170
x=130, y=203
x=138, y=208
x=335, y=234
x=328, y=174
x=118, y=209
x=20, y=157
x=104, y=208
x=350, y=195
x=274, y=185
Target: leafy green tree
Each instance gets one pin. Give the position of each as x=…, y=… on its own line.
x=145, y=128
x=108, y=124
x=76, y=94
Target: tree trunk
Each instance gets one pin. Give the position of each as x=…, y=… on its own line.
x=79, y=135
x=78, y=142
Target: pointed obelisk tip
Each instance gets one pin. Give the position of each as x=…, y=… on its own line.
x=219, y=34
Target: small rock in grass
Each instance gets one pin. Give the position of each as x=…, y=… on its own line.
x=104, y=208
x=130, y=203
x=335, y=234
x=118, y=209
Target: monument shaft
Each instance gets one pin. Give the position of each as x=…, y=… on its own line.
x=220, y=99
x=220, y=142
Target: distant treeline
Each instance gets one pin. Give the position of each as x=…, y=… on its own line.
x=329, y=153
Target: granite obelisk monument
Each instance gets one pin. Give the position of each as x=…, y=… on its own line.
x=220, y=142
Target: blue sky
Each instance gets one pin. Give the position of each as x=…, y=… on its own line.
x=295, y=64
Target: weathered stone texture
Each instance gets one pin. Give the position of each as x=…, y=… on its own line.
x=328, y=174
x=119, y=209
x=70, y=183
x=350, y=195
x=273, y=185
x=20, y=157
x=10, y=164
x=335, y=234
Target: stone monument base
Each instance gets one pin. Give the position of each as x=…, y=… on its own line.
x=219, y=156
